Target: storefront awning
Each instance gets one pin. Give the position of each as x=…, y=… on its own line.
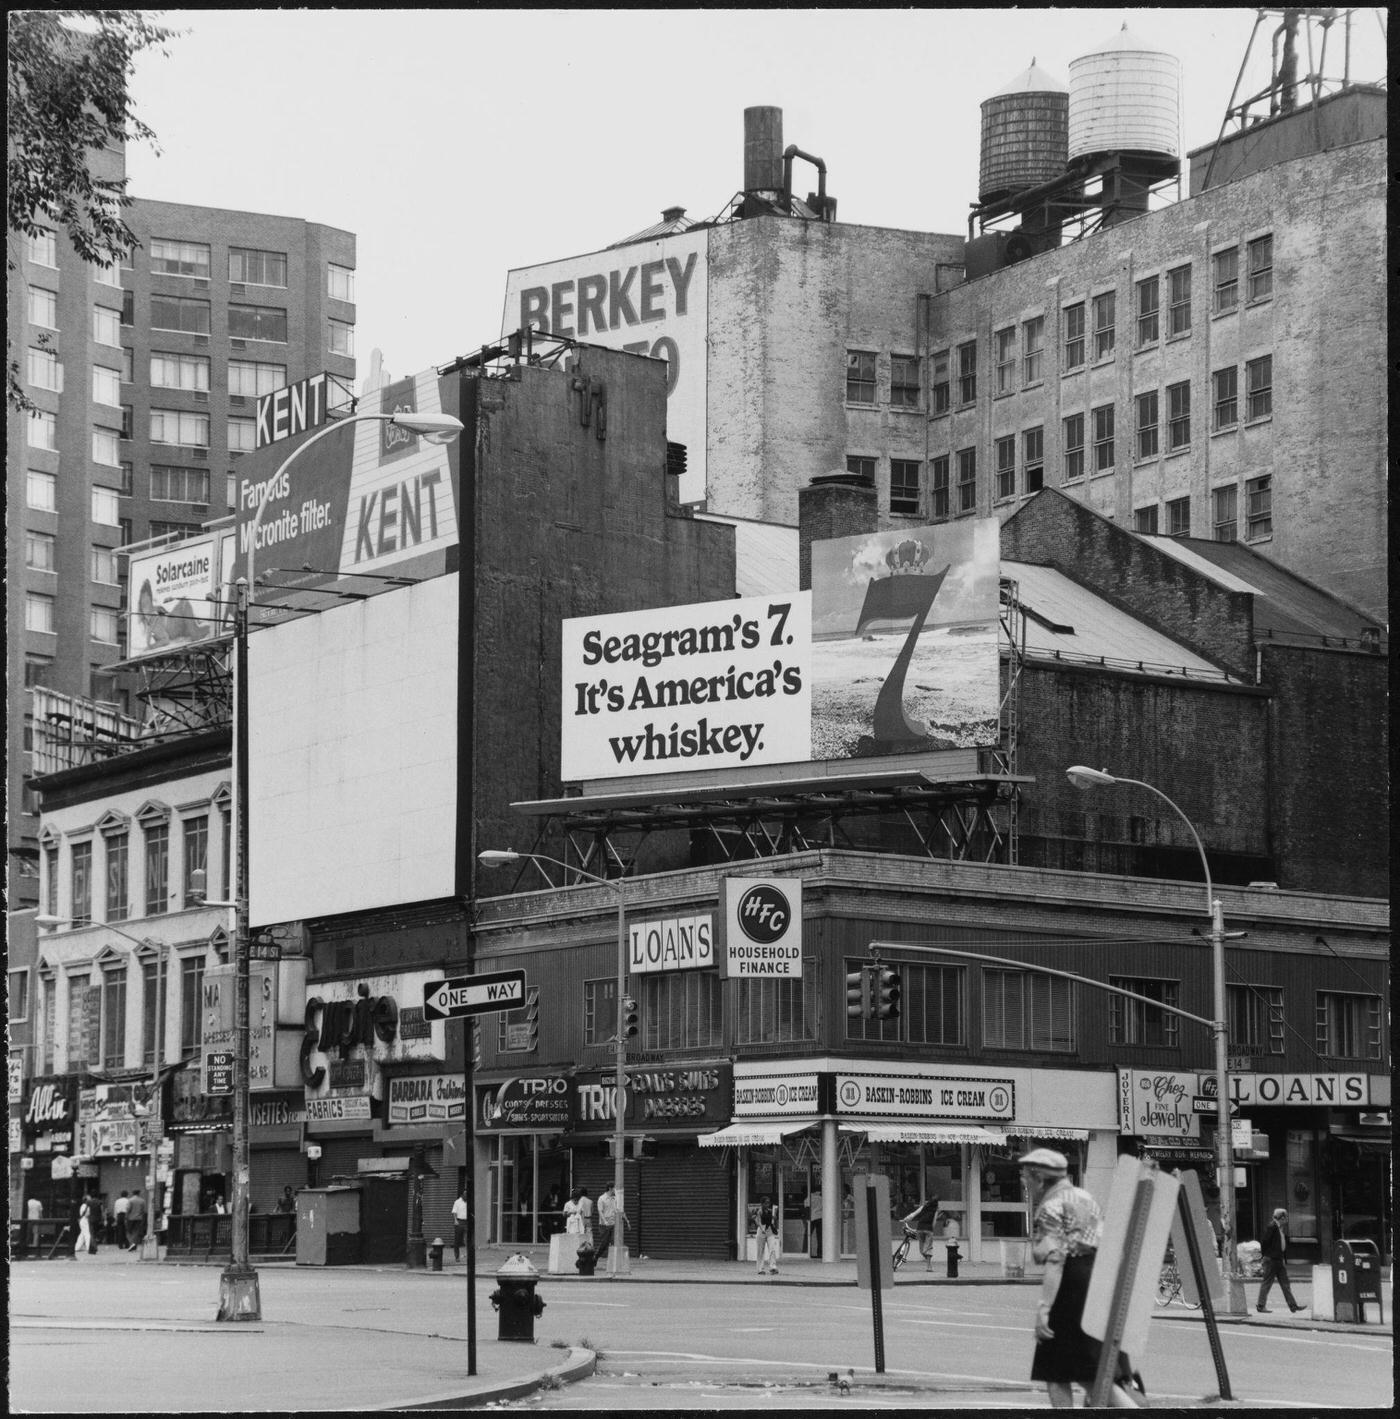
x=750, y=1134
x=923, y=1132
x=1043, y=1130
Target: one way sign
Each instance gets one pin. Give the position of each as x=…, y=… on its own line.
x=473, y=995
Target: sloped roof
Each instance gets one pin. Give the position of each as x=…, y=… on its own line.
x=1285, y=606
x=765, y=555
x=667, y=226
x=1069, y=623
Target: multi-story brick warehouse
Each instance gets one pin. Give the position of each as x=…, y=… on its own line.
x=1212, y=368
x=144, y=376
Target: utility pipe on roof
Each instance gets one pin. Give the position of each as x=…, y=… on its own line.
x=793, y=151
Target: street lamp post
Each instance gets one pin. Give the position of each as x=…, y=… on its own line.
x=494, y=857
x=238, y=1286
x=1083, y=777
x=150, y=1250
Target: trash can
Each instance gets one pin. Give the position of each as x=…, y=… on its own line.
x=435, y=1254
x=515, y=1299
x=1356, y=1281
x=1013, y=1259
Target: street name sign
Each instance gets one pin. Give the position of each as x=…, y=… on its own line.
x=473, y=995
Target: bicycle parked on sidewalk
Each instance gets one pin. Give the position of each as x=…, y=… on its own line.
x=901, y=1249
x=1169, y=1286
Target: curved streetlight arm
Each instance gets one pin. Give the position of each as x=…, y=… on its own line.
x=500, y=857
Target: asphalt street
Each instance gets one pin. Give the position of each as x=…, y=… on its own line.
x=360, y=1339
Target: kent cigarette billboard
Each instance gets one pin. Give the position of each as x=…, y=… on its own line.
x=649, y=297
x=893, y=651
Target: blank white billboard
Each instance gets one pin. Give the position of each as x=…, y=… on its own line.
x=353, y=756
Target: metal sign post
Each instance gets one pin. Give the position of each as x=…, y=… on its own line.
x=1187, y=1230
x=874, y=1266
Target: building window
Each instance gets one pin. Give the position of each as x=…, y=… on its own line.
x=118, y=881
x=196, y=832
x=1147, y=425
x=1145, y=520
x=107, y=389
x=179, y=258
x=180, y=372
x=904, y=381
x=18, y=1011
x=1073, y=440
x=128, y=313
x=106, y=448
x=1179, y=301
x=1006, y=467
x=1178, y=416
x=340, y=338
x=179, y=485
x=679, y=1010
x=860, y=377
x=1033, y=350
x=904, y=485
x=967, y=480
x=43, y=430
x=941, y=395
x=179, y=313
x=1074, y=336
x=1005, y=360
x=1227, y=279
x=257, y=268
x=102, y=625
x=104, y=566
x=1179, y=517
x=1148, y=298
x=173, y=529
x=1135, y=1022
x=242, y=435
x=258, y=322
x=39, y=613
x=861, y=466
x=1025, y=1011
x=191, y=1004
x=939, y=493
x=250, y=378
x=1255, y=1018
x=81, y=881
x=1259, y=387
x=1226, y=407
x=178, y=426
x=81, y=998
x=1033, y=458
x=128, y=364
x=43, y=307
x=44, y=371
x=150, y=1011
x=114, y=1016
x=1224, y=518
x=1259, y=508
x=1261, y=268
x=1103, y=438
x=41, y=491
x=41, y=247
x=106, y=507
x=37, y=670
x=1348, y=1026
x=1105, y=319
x=157, y=868
x=107, y=326
x=128, y=482
x=518, y=1031
x=39, y=551
x=967, y=373
x=775, y=1011
x=599, y=1011
x=340, y=282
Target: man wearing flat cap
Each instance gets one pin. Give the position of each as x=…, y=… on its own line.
x=1064, y=1237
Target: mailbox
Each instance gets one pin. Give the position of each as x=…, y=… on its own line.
x=1356, y=1281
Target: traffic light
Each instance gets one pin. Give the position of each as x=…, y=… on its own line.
x=888, y=990
x=858, y=993
x=629, y=1017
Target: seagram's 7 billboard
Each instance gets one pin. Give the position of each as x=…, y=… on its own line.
x=892, y=651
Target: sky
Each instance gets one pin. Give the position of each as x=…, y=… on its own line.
x=458, y=144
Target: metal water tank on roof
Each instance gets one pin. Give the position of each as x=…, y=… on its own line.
x=1025, y=135
x=1125, y=97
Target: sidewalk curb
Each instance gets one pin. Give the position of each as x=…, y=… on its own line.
x=579, y=1366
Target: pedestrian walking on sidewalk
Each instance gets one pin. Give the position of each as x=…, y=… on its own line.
x=84, y=1242
x=459, y=1225
x=1065, y=1236
x=767, y=1237
x=922, y=1220
x=119, y=1210
x=135, y=1220
x=1274, y=1247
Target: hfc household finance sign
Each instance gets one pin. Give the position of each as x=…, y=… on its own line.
x=763, y=926
x=715, y=685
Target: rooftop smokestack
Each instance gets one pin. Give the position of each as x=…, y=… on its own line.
x=763, y=150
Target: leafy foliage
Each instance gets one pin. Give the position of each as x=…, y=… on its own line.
x=67, y=99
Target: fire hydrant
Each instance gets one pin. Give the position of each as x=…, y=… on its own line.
x=435, y=1254
x=515, y=1299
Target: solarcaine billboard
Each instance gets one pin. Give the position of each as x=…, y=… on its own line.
x=892, y=651
x=179, y=595
x=648, y=297
x=367, y=498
